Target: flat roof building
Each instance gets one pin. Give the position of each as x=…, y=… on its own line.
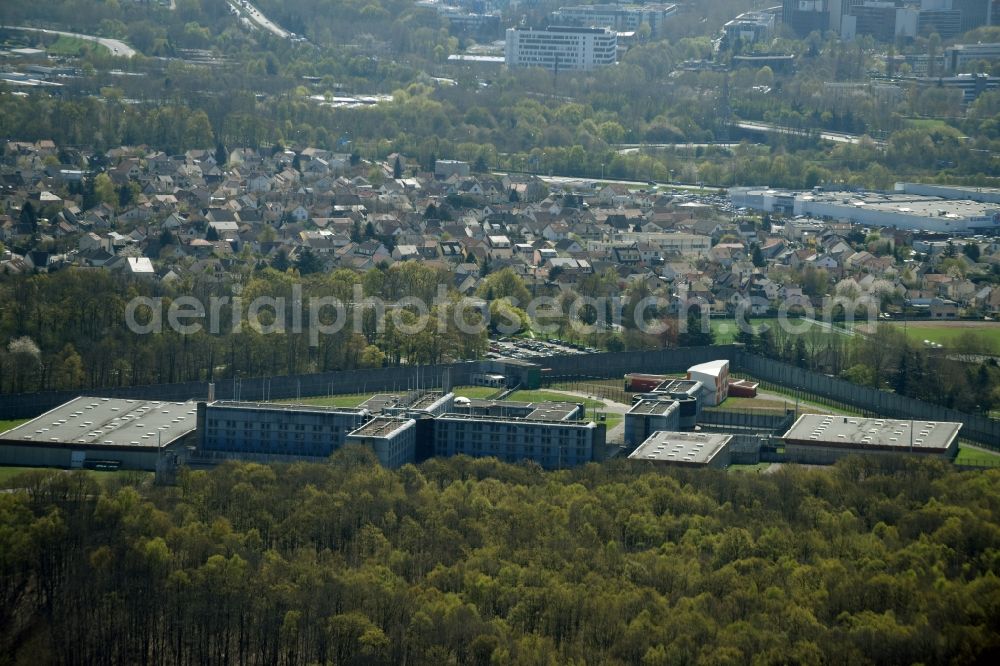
x=266, y=431
x=685, y=449
x=897, y=209
x=561, y=48
x=432, y=403
x=648, y=416
x=617, y=17
x=552, y=444
x=111, y=432
x=539, y=411
x=748, y=28
x=823, y=439
x=393, y=439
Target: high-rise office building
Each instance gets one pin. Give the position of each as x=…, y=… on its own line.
x=559, y=48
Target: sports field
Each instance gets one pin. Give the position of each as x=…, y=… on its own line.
x=725, y=330
x=952, y=333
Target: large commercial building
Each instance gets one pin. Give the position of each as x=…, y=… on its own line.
x=958, y=56
x=971, y=85
x=898, y=209
x=273, y=431
x=561, y=48
x=393, y=439
x=552, y=444
x=822, y=439
x=748, y=28
x=805, y=16
x=105, y=433
x=684, y=449
x=885, y=21
x=623, y=18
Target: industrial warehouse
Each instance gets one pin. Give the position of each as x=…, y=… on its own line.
x=671, y=421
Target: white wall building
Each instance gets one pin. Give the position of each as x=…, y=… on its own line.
x=558, y=48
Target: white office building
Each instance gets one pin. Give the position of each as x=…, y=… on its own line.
x=558, y=48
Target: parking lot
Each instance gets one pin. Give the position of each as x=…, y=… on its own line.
x=526, y=348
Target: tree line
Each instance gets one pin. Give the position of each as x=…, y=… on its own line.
x=873, y=561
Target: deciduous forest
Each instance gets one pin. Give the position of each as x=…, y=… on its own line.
x=474, y=561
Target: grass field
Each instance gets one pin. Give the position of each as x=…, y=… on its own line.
x=754, y=469
x=549, y=396
x=476, y=392
x=13, y=423
x=947, y=333
x=347, y=400
x=8, y=474
x=972, y=455
x=725, y=330
x=72, y=46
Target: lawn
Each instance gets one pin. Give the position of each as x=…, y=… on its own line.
x=756, y=469
x=972, y=455
x=13, y=423
x=757, y=403
x=549, y=396
x=348, y=400
x=612, y=419
x=72, y=46
x=476, y=392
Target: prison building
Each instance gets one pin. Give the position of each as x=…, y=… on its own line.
x=649, y=416
x=275, y=431
x=714, y=375
x=539, y=411
x=102, y=433
x=637, y=382
x=823, y=439
x=684, y=449
x=689, y=395
x=552, y=444
x=412, y=403
x=393, y=439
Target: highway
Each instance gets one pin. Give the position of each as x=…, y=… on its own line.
x=117, y=47
x=259, y=19
x=836, y=137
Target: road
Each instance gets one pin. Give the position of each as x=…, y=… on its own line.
x=836, y=137
x=667, y=187
x=117, y=47
x=258, y=18
x=630, y=148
